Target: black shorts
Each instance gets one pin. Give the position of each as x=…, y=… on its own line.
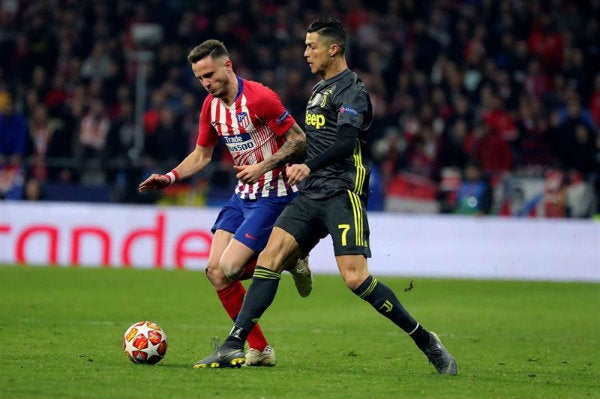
x=343, y=216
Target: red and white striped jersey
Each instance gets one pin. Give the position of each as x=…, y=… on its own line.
x=253, y=129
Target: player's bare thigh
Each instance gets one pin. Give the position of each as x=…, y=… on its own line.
x=280, y=248
x=227, y=259
x=353, y=269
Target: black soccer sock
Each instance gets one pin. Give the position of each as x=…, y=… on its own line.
x=383, y=299
x=258, y=298
x=420, y=336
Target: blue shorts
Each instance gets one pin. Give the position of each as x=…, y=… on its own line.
x=251, y=221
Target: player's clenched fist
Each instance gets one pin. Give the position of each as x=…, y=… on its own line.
x=297, y=172
x=249, y=174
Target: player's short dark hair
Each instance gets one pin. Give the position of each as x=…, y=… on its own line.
x=212, y=47
x=332, y=29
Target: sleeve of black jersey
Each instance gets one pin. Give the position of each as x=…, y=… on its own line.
x=343, y=146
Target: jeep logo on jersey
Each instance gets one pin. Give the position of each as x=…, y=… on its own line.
x=316, y=120
x=243, y=119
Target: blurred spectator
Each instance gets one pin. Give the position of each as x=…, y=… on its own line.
x=13, y=129
x=555, y=194
x=452, y=148
x=41, y=135
x=580, y=199
x=13, y=142
x=152, y=115
x=91, y=144
x=574, y=113
x=33, y=190
x=474, y=195
x=580, y=153
x=122, y=169
x=190, y=119
x=497, y=118
x=168, y=143
x=387, y=153
x=489, y=150
x=536, y=82
x=98, y=64
x=534, y=147
x=545, y=41
x=576, y=138
x=421, y=153
x=12, y=178
x=461, y=109
x=595, y=101
x=121, y=139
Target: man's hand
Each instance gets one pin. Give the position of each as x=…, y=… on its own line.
x=154, y=182
x=297, y=172
x=249, y=174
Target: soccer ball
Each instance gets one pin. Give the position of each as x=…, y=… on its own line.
x=145, y=343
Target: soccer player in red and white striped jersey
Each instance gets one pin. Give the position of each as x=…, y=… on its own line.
x=262, y=138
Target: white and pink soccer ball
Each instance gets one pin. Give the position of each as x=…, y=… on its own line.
x=145, y=343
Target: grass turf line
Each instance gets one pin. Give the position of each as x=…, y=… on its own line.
x=61, y=332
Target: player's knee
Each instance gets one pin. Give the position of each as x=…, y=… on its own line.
x=210, y=269
x=232, y=271
x=233, y=274
x=215, y=274
x=353, y=270
x=352, y=281
x=353, y=278
x=272, y=260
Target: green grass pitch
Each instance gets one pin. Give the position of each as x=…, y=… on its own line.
x=61, y=337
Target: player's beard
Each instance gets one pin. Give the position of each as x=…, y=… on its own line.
x=320, y=71
x=220, y=91
x=319, y=68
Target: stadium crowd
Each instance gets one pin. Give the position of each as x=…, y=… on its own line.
x=468, y=95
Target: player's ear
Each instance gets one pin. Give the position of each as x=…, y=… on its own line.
x=333, y=50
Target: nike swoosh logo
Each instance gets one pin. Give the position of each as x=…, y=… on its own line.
x=247, y=235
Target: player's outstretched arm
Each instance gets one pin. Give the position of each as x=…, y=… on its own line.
x=193, y=163
x=294, y=146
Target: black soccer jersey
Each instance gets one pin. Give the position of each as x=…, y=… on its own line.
x=340, y=100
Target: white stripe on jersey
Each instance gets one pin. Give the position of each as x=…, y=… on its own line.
x=268, y=177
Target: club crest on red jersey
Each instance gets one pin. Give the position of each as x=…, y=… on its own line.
x=243, y=119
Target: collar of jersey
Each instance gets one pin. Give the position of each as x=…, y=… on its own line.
x=338, y=76
x=240, y=88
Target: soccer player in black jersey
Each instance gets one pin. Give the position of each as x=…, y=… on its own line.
x=332, y=201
